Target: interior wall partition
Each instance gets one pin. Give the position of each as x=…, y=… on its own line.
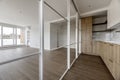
x=72, y=20
x=57, y=15
x=72, y=34
x=52, y=35
x=55, y=37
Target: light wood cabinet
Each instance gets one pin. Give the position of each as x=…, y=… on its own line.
x=110, y=53
x=116, y=71
x=95, y=48
x=86, y=38
x=118, y=55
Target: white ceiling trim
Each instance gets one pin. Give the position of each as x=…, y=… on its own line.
x=62, y=20
x=91, y=13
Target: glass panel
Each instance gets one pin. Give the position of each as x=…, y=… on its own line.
x=15, y=36
x=0, y=35
x=80, y=36
x=55, y=39
x=20, y=36
x=7, y=36
x=24, y=69
x=72, y=40
x=72, y=33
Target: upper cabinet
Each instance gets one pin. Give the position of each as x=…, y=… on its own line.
x=113, y=13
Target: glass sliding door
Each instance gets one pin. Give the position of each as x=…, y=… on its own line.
x=15, y=36
x=20, y=36
x=7, y=36
x=0, y=36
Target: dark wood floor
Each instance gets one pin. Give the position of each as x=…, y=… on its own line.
x=88, y=68
x=13, y=53
x=85, y=68
x=27, y=69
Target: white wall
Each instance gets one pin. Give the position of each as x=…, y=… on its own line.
x=113, y=13
x=53, y=36
x=62, y=31
x=47, y=36
x=63, y=34
x=56, y=35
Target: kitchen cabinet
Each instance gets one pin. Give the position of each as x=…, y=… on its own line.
x=110, y=53
x=86, y=35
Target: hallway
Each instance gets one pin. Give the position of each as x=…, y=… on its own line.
x=88, y=68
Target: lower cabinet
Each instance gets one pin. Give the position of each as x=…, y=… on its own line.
x=110, y=53
x=116, y=71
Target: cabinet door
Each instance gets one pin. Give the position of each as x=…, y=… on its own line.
x=114, y=65
x=110, y=58
x=98, y=48
x=101, y=49
x=94, y=47
x=86, y=27
x=117, y=72
x=118, y=55
x=106, y=54
x=110, y=54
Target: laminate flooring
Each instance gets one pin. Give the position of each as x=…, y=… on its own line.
x=28, y=69
x=85, y=68
x=88, y=67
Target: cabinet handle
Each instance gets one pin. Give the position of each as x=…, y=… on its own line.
x=111, y=60
x=111, y=45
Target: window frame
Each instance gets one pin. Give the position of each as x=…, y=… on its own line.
x=8, y=34
x=14, y=34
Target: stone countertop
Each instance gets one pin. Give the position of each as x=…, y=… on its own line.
x=112, y=42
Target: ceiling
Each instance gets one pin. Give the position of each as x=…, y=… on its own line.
x=85, y=6
x=24, y=13
x=60, y=6
x=19, y=12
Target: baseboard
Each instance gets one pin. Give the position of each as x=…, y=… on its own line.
x=56, y=48
x=59, y=48
x=90, y=54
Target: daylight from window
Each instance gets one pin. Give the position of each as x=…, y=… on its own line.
x=11, y=36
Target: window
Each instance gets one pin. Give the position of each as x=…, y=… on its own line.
x=20, y=36
x=8, y=36
x=11, y=35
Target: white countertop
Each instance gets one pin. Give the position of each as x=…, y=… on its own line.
x=114, y=42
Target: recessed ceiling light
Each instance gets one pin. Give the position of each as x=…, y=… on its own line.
x=89, y=6
x=20, y=12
